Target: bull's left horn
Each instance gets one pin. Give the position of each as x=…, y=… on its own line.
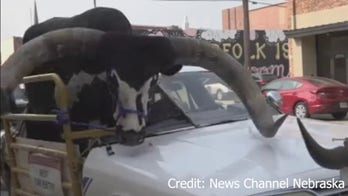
x=203, y=54
x=74, y=42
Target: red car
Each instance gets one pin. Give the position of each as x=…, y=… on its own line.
x=304, y=96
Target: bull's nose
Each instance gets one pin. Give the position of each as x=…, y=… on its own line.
x=129, y=137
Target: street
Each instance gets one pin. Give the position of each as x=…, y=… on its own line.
x=327, y=117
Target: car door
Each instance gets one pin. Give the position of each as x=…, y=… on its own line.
x=288, y=91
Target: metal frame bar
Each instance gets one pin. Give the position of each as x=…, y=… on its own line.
x=74, y=162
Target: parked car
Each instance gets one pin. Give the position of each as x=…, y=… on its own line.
x=262, y=79
x=218, y=89
x=304, y=96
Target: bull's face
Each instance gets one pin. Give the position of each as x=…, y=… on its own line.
x=133, y=64
x=129, y=106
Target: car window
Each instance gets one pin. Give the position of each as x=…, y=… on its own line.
x=290, y=84
x=275, y=85
x=200, y=91
x=323, y=81
x=189, y=99
x=181, y=96
x=163, y=110
x=219, y=91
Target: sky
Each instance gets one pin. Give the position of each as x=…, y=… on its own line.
x=17, y=15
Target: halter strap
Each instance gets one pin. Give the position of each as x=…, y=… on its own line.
x=124, y=111
x=63, y=119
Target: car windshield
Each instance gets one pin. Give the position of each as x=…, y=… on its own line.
x=193, y=99
x=323, y=81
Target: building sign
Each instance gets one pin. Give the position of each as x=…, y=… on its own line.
x=269, y=48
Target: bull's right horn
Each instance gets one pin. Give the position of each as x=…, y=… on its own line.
x=203, y=54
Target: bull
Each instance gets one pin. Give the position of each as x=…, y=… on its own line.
x=109, y=71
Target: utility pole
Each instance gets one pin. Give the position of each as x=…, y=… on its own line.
x=95, y=3
x=36, y=17
x=246, y=34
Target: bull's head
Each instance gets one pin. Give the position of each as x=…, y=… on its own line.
x=131, y=62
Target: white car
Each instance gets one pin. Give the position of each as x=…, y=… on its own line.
x=196, y=146
x=217, y=89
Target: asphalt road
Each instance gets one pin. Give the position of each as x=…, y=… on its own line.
x=329, y=118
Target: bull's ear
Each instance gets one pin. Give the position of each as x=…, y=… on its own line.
x=172, y=70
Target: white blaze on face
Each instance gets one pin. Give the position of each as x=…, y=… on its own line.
x=127, y=97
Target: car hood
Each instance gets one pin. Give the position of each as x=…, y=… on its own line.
x=231, y=152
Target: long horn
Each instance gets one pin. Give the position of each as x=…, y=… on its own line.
x=203, y=54
x=72, y=43
x=335, y=158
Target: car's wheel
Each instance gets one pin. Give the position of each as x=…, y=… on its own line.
x=301, y=110
x=219, y=94
x=339, y=115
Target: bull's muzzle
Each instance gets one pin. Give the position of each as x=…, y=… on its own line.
x=129, y=138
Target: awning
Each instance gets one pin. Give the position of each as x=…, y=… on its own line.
x=322, y=29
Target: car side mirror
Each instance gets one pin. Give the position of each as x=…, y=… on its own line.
x=275, y=100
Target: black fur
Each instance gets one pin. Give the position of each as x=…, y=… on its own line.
x=101, y=18
x=135, y=58
x=7, y=101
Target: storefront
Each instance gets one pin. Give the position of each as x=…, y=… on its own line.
x=321, y=51
x=318, y=38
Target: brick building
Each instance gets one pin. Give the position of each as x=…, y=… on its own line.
x=267, y=25
x=318, y=38
x=270, y=17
